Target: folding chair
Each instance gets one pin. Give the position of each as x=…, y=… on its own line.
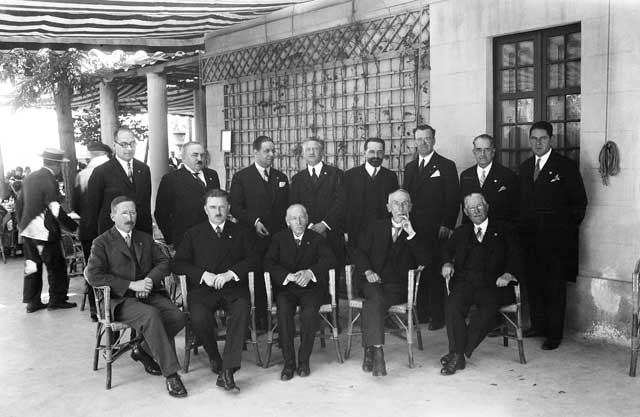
x=328, y=314
x=405, y=314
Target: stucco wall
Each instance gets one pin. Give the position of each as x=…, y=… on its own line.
x=461, y=107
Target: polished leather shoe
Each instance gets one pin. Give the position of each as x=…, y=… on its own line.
x=435, y=325
x=150, y=366
x=550, y=344
x=532, y=333
x=367, y=362
x=33, y=307
x=225, y=380
x=60, y=305
x=287, y=373
x=303, y=369
x=456, y=363
x=379, y=367
x=94, y=317
x=447, y=358
x=215, y=365
x=175, y=386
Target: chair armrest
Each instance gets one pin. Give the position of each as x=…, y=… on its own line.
x=103, y=303
x=516, y=291
x=332, y=286
x=267, y=286
x=182, y=279
x=348, y=274
x=252, y=288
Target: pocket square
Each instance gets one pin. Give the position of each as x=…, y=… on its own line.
x=503, y=188
x=281, y=184
x=436, y=174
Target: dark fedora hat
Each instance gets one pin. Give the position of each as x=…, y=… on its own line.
x=96, y=146
x=52, y=154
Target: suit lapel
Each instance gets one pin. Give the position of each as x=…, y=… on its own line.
x=208, y=177
x=429, y=168
x=323, y=176
x=189, y=180
x=119, y=169
x=139, y=247
x=119, y=242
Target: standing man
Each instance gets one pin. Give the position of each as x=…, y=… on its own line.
x=366, y=188
x=174, y=162
x=386, y=251
x=133, y=265
x=552, y=206
x=181, y=194
x=498, y=184
x=480, y=260
x=100, y=153
x=259, y=199
x=432, y=181
x=122, y=175
x=298, y=261
x=40, y=217
x=217, y=256
x=319, y=189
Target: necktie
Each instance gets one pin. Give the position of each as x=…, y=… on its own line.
x=197, y=177
x=421, y=166
x=298, y=242
x=127, y=240
x=314, y=176
x=129, y=171
x=218, y=231
x=266, y=175
x=375, y=171
x=479, y=234
x=396, y=233
x=536, y=171
x=483, y=176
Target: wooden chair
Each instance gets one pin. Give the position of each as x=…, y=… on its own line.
x=405, y=315
x=512, y=317
x=328, y=314
x=635, y=341
x=191, y=343
x=114, y=344
x=73, y=254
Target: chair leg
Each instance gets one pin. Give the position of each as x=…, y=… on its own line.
x=347, y=350
x=418, y=331
x=187, y=347
x=96, y=351
x=334, y=332
x=323, y=343
x=254, y=336
x=269, y=339
x=410, y=337
x=84, y=299
x=109, y=352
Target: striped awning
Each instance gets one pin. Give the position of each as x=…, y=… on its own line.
x=123, y=24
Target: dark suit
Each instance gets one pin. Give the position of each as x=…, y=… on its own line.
x=377, y=252
x=202, y=251
x=324, y=201
x=180, y=202
x=501, y=190
x=477, y=266
x=551, y=210
x=39, y=189
x=252, y=198
x=435, y=197
x=358, y=213
x=112, y=264
x=109, y=181
x=284, y=257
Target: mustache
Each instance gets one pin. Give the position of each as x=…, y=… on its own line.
x=129, y=223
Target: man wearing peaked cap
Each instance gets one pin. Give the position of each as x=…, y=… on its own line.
x=41, y=216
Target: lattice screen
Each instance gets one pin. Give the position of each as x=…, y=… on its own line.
x=342, y=103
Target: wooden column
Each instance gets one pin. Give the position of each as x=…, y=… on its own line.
x=158, y=139
x=108, y=112
x=200, y=116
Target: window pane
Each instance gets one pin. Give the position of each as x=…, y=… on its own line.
x=555, y=76
x=573, y=106
x=525, y=110
x=509, y=55
x=573, y=134
x=509, y=137
x=558, y=133
x=508, y=111
x=525, y=79
x=525, y=53
x=573, y=74
x=573, y=45
x=523, y=134
x=555, y=108
x=555, y=48
x=508, y=81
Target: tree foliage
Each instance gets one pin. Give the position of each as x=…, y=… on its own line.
x=86, y=125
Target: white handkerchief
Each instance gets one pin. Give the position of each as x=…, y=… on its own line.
x=281, y=184
x=436, y=174
x=503, y=188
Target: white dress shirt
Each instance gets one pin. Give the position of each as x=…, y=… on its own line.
x=543, y=159
x=485, y=169
x=200, y=174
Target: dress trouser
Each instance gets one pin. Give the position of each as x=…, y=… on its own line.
x=203, y=303
x=465, y=338
x=86, y=250
x=37, y=253
x=309, y=299
x=159, y=320
x=432, y=291
x=377, y=300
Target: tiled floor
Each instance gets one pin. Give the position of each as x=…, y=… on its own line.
x=45, y=370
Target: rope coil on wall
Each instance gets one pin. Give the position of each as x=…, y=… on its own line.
x=609, y=159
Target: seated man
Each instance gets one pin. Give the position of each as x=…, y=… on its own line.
x=130, y=262
x=298, y=260
x=217, y=256
x=387, y=249
x=481, y=258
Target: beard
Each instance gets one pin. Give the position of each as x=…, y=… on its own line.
x=374, y=162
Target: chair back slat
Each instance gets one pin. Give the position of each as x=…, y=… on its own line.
x=267, y=285
x=348, y=271
x=410, y=282
x=332, y=286
x=252, y=288
x=182, y=279
x=418, y=274
x=516, y=290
